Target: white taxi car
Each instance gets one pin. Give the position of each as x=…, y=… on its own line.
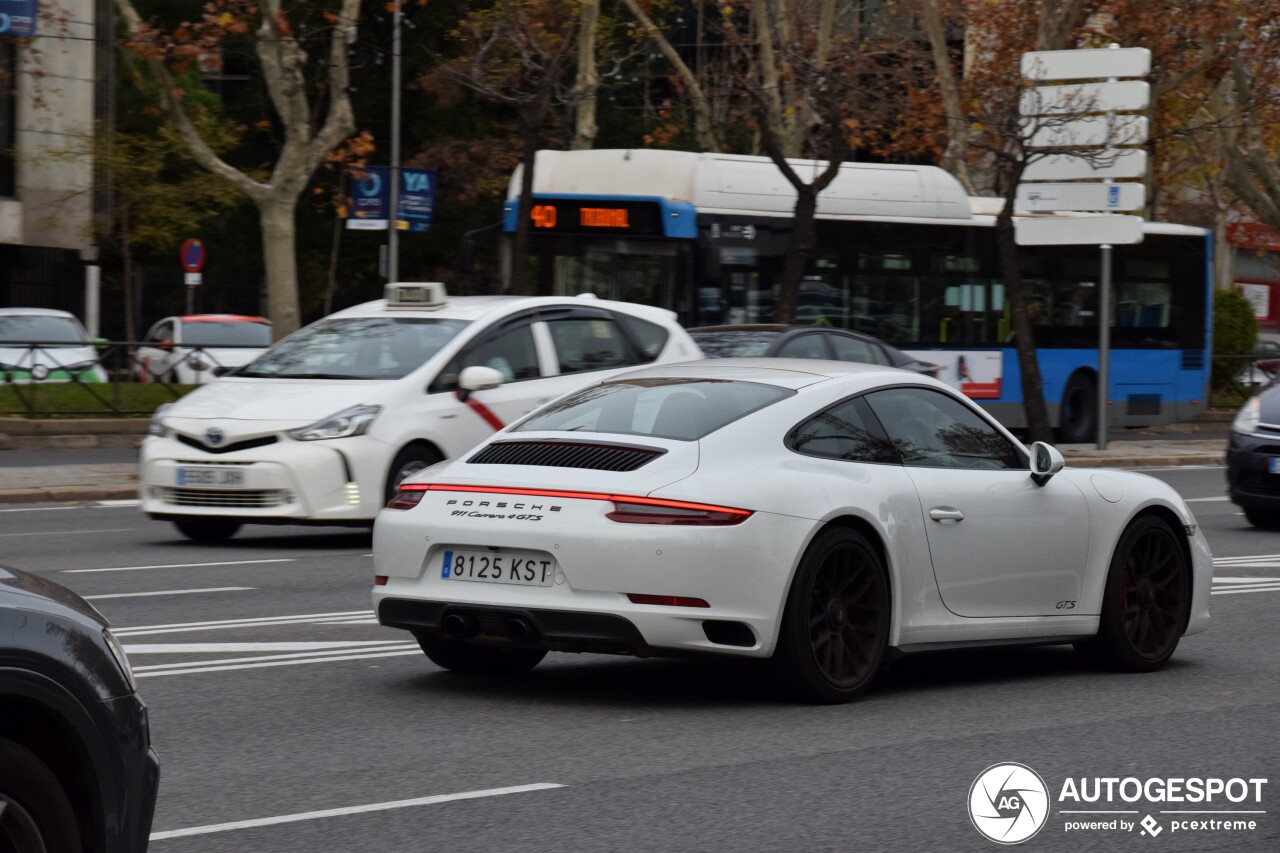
x=191, y=349
x=325, y=425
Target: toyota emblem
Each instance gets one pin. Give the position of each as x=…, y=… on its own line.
x=214, y=436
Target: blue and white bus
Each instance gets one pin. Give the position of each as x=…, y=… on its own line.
x=902, y=253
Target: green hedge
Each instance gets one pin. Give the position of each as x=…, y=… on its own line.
x=74, y=399
x=1235, y=333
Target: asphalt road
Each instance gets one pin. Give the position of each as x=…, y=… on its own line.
x=274, y=695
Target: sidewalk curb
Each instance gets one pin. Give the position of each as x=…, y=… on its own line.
x=58, y=494
x=1146, y=461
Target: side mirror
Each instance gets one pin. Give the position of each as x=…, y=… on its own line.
x=1045, y=462
x=477, y=377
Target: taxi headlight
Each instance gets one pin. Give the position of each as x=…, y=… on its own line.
x=158, y=427
x=1248, y=418
x=353, y=421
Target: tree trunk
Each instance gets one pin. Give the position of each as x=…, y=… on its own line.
x=588, y=81
x=520, y=247
x=129, y=285
x=802, y=231
x=955, y=158
x=281, y=265
x=1038, y=428
x=332, y=284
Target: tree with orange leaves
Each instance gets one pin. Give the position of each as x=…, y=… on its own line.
x=308, y=139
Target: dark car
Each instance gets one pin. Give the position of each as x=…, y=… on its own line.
x=1253, y=458
x=77, y=771
x=779, y=341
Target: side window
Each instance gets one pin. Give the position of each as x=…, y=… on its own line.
x=649, y=337
x=162, y=332
x=933, y=430
x=589, y=343
x=803, y=346
x=845, y=431
x=510, y=352
x=855, y=349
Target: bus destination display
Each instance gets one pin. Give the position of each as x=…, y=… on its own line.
x=562, y=216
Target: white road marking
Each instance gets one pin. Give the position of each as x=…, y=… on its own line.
x=1243, y=589
x=1143, y=470
x=1235, y=586
x=1254, y=558
x=39, y=509
x=168, y=592
x=1222, y=499
x=307, y=646
x=72, y=532
x=1217, y=580
x=298, y=657
x=116, y=504
x=241, y=623
x=350, y=810
x=179, y=566
x=372, y=653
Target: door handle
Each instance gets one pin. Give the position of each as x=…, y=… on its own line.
x=942, y=514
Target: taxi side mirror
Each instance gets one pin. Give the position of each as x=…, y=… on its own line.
x=1045, y=462
x=477, y=378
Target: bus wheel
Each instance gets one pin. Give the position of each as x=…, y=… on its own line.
x=1078, y=419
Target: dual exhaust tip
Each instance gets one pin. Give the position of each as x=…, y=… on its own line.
x=463, y=626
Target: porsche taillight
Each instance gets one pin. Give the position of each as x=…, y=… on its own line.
x=407, y=496
x=658, y=511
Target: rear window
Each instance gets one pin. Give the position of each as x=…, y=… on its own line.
x=684, y=409
x=650, y=337
x=734, y=344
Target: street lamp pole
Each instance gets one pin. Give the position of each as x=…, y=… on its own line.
x=393, y=236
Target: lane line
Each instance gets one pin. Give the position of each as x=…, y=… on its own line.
x=304, y=646
x=180, y=566
x=1241, y=590
x=194, y=669
x=1246, y=580
x=251, y=620
x=116, y=504
x=168, y=592
x=350, y=810
x=71, y=532
x=299, y=657
x=39, y=509
x=1222, y=499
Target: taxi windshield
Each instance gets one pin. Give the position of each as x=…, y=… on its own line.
x=355, y=348
x=44, y=328
x=226, y=333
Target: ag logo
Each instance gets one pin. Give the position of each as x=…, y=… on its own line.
x=1008, y=803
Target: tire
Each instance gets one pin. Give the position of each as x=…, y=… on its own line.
x=469, y=659
x=1078, y=417
x=37, y=814
x=207, y=529
x=835, y=627
x=409, y=461
x=1146, y=602
x=1267, y=519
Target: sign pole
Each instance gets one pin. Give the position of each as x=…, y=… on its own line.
x=191, y=299
x=1104, y=345
x=393, y=215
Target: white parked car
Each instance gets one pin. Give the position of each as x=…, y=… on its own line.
x=324, y=426
x=822, y=514
x=44, y=345
x=195, y=348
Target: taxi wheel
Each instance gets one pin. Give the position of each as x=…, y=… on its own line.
x=835, y=628
x=1267, y=519
x=408, y=462
x=458, y=656
x=1146, y=602
x=35, y=814
x=207, y=529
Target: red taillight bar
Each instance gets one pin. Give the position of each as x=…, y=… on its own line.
x=666, y=600
x=742, y=514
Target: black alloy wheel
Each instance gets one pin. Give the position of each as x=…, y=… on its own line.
x=1147, y=600
x=472, y=659
x=836, y=624
x=409, y=461
x=35, y=814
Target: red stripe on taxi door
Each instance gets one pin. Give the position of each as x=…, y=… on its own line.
x=484, y=412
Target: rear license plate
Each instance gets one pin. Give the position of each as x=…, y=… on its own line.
x=1273, y=464
x=508, y=567
x=217, y=477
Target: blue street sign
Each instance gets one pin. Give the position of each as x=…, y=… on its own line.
x=417, y=200
x=370, y=194
x=18, y=17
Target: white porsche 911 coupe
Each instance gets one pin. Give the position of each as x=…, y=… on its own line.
x=825, y=515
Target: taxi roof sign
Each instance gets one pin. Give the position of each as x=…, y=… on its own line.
x=416, y=294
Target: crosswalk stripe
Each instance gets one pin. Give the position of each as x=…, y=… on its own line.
x=1242, y=589
x=328, y=654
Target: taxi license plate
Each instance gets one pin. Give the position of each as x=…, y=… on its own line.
x=221, y=478
x=1273, y=464
x=508, y=567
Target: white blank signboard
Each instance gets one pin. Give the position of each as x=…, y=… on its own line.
x=1087, y=64
x=1078, y=231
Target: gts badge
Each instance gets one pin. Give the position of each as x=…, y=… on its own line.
x=1066, y=605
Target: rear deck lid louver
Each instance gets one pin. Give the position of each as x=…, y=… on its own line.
x=567, y=454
